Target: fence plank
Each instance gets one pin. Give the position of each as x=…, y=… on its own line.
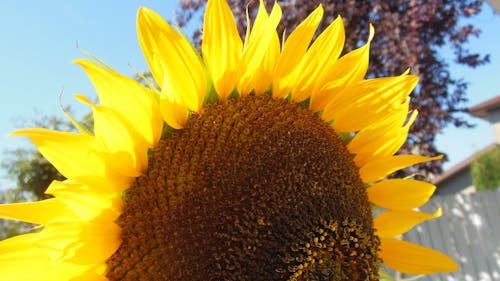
x=468, y=231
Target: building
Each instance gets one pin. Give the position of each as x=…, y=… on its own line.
x=458, y=178
x=468, y=231
x=495, y=4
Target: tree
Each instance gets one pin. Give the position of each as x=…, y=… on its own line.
x=486, y=171
x=10, y=228
x=31, y=171
x=409, y=34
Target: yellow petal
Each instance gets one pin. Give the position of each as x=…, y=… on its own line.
x=125, y=149
x=264, y=77
x=257, y=46
x=174, y=113
x=379, y=91
x=150, y=45
x=96, y=243
x=56, y=238
x=221, y=47
x=73, y=155
x=39, y=212
x=400, y=194
x=347, y=71
x=22, y=260
x=174, y=62
x=90, y=242
x=384, y=166
x=107, y=186
x=86, y=203
x=136, y=103
x=375, y=98
x=322, y=54
x=414, y=259
x=17, y=254
x=293, y=51
x=392, y=223
x=382, y=139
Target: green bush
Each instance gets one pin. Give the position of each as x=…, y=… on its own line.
x=485, y=170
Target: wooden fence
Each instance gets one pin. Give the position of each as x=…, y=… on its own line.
x=468, y=231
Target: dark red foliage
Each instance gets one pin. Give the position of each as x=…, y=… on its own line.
x=409, y=34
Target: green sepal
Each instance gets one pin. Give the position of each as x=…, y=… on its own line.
x=166, y=131
x=345, y=137
x=211, y=96
x=95, y=58
x=75, y=123
x=234, y=94
x=305, y=103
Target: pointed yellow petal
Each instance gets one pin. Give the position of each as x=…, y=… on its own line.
x=39, y=212
x=174, y=113
x=257, y=47
x=127, y=96
x=379, y=91
x=322, y=54
x=86, y=203
x=400, y=194
x=116, y=138
x=221, y=47
x=384, y=166
x=369, y=102
x=259, y=25
x=392, y=223
x=73, y=155
x=17, y=254
x=414, y=259
x=174, y=62
x=150, y=45
x=107, y=186
x=56, y=238
x=96, y=243
x=347, y=71
x=293, y=51
x=382, y=139
x=22, y=260
x=264, y=77
x=67, y=241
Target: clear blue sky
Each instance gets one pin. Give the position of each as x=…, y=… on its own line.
x=38, y=42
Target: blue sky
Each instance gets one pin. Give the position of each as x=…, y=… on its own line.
x=39, y=39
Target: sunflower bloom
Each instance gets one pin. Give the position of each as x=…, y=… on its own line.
x=254, y=161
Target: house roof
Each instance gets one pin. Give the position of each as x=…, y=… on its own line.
x=481, y=110
x=465, y=164
x=495, y=4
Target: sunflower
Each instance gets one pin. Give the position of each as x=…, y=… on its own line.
x=254, y=161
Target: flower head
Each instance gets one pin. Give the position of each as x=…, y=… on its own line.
x=255, y=162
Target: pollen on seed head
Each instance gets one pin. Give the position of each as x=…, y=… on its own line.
x=252, y=189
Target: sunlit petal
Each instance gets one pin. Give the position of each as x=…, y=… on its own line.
x=410, y=258
x=120, y=92
x=175, y=65
x=258, y=46
x=400, y=194
x=292, y=52
x=221, y=47
x=384, y=166
x=392, y=223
